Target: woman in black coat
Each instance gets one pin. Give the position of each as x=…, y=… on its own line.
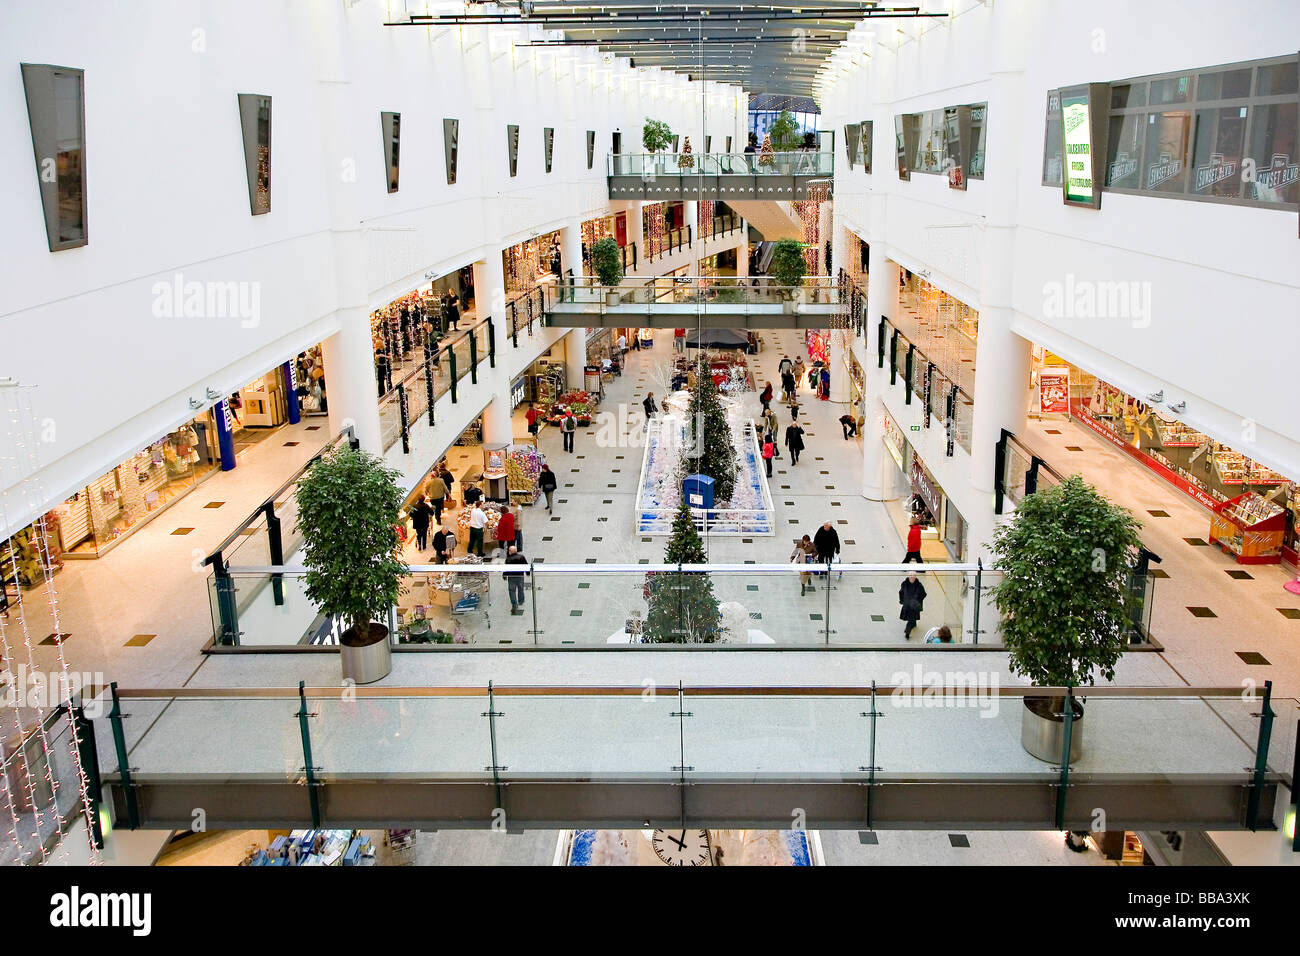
x=794, y=441
x=911, y=597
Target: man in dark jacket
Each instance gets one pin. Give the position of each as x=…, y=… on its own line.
x=794, y=441
x=444, y=543
x=546, y=482
x=650, y=406
x=911, y=599
x=827, y=543
x=787, y=386
x=515, y=581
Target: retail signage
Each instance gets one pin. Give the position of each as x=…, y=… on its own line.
x=924, y=486
x=512, y=147
x=450, y=144
x=1054, y=391
x=915, y=428
x=548, y=141
x=591, y=148
x=517, y=391
x=1083, y=132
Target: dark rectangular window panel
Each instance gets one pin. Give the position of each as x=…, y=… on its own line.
x=616, y=143
x=851, y=132
x=1126, y=95
x=1275, y=153
x=56, y=113
x=728, y=144
x=1217, y=151
x=1224, y=85
x=512, y=147
x=450, y=147
x=391, y=124
x=708, y=144
x=1053, y=141
x=1171, y=90
x=255, y=126
x=1166, y=151
x=548, y=144
x=1124, y=150
x=1280, y=79
x=591, y=148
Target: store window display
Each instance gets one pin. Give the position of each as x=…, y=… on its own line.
x=115, y=504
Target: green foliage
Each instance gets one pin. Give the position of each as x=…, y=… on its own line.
x=1066, y=559
x=709, y=434
x=656, y=135
x=788, y=265
x=681, y=606
x=607, y=261
x=349, y=507
x=785, y=132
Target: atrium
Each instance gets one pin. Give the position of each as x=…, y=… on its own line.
x=693, y=433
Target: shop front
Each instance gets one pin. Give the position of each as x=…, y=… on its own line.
x=1254, y=509
x=530, y=263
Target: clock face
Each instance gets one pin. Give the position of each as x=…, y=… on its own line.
x=682, y=847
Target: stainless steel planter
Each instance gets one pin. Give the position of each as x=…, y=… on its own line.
x=367, y=663
x=1042, y=730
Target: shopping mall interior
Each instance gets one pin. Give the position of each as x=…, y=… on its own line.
x=700, y=433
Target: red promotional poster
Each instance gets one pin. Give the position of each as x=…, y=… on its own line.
x=1054, y=391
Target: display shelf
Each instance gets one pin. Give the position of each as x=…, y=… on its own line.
x=1249, y=527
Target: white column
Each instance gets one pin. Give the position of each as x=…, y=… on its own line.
x=351, y=389
x=575, y=357
x=742, y=260
x=875, y=483
x=571, y=249
x=634, y=230
x=497, y=424
x=691, y=213
x=490, y=293
x=882, y=299
x=1002, y=358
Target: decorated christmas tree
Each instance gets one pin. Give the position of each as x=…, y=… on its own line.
x=766, y=156
x=686, y=160
x=709, y=449
x=682, y=608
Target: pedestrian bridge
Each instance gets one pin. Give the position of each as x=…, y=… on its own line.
x=659, y=177
x=936, y=753
x=724, y=302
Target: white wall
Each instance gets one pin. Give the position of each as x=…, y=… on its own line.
x=167, y=193
x=1223, y=280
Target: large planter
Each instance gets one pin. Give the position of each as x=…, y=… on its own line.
x=366, y=663
x=1042, y=729
x=613, y=298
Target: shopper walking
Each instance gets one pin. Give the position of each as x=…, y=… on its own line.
x=444, y=543
x=787, y=387
x=477, y=523
x=799, y=370
x=785, y=365
x=911, y=599
x=453, y=310
x=827, y=543
x=850, y=426
x=766, y=396
x=515, y=580
x=804, y=553
x=435, y=489
x=473, y=494
x=825, y=384
x=519, y=525
x=794, y=441
x=531, y=417
x=420, y=515
x=651, y=408
x=383, y=372
x=769, y=424
x=567, y=428
x=914, y=542
x=546, y=482
x=769, y=448
x=679, y=340
x=504, y=534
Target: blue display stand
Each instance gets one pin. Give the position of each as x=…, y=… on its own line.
x=291, y=392
x=225, y=434
x=697, y=491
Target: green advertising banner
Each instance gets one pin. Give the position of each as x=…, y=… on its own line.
x=1077, y=126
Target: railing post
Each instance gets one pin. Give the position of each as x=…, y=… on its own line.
x=1067, y=735
x=907, y=377
x=880, y=342
x=492, y=714
x=309, y=768
x=1261, y=758
x=1031, y=476
x=929, y=386
x=275, y=549
x=473, y=357
x=451, y=370
x=950, y=426
x=999, y=470
x=681, y=714
x=893, y=358
x=1295, y=796
x=227, y=607
x=827, y=622
x=492, y=343
x=979, y=588
x=871, y=767
x=428, y=383
x=88, y=750
x=115, y=716
x=532, y=587
x=404, y=411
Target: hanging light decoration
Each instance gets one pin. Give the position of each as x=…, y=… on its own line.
x=653, y=228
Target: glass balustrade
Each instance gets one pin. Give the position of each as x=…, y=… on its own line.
x=653, y=165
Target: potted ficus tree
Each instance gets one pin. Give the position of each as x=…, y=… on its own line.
x=656, y=135
x=349, y=509
x=1066, y=557
x=788, y=266
x=607, y=261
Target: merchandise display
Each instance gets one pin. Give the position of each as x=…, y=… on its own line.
x=315, y=848
x=523, y=467
x=1250, y=527
x=24, y=561
x=582, y=403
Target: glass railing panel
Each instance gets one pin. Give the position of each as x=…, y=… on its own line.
x=424, y=737
x=864, y=606
x=792, y=738
x=390, y=419
x=252, y=547
x=274, y=611
x=605, y=736
x=1013, y=477
x=463, y=604
x=964, y=420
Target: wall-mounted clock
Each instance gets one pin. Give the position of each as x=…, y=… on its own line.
x=682, y=847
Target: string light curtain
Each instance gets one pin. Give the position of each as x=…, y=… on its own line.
x=654, y=228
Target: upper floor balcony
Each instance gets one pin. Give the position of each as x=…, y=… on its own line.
x=804, y=174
